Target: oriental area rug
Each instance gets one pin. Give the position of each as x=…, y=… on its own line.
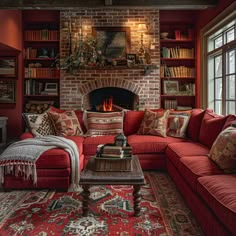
x=44, y=213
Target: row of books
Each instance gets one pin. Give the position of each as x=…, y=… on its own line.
x=109, y=151
x=35, y=87
x=41, y=73
x=177, y=52
x=39, y=52
x=177, y=71
x=44, y=34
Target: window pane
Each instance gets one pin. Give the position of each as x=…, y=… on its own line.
x=218, y=107
x=230, y=35
x=218, y=66
x=219, y=41
x=230, y=87
x=230, y=108
x=218, y=88
x=230, y=62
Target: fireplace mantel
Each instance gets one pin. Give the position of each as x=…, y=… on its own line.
x=147, y=68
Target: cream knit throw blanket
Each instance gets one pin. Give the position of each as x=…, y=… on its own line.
x=20, y=157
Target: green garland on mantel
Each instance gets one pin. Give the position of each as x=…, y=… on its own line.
x=86, y=56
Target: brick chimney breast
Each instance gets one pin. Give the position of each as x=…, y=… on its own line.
x=75, y=87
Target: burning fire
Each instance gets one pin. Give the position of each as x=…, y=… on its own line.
x=107, y=104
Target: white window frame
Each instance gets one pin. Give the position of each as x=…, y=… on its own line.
x=224, y=18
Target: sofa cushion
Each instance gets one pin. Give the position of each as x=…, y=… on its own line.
x=191, y=167
x=132, y=121
x=223, y=150
x=160, y=124
x=78, y=113
x=219, y=193
x=66, y=123
x=175, y=151
x=177, y=124
x=39, y=124
x=231, y=119
x=79, y=141
x=90, y=143
x=100, y=123
x=147, y=122
x=149, y=144
x=154, y=123
x=195, y=124
x=211, y=126
x=53, y=159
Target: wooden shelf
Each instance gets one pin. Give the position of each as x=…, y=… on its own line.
x=40, y=59
x=177, y=59
x=42, y=78
x=178, y=78
x=44, y=95
x=170, y=95
x=177, y=41
x=125, y=67
x=42, y=41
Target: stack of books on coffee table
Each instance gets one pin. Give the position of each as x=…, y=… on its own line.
x=113, y=158
x=112, y=152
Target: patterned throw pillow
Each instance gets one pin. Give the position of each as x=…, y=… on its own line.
x=66, y=123
x=177, y=124
x=223, y=150
x=39, y=124
x=160, y=124
x=154, y=122
x=104, y=123
x=147, y=122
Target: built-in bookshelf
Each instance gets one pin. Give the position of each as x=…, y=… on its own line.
x=177, y=65
x=41, y=49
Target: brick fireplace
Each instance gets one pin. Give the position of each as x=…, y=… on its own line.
x=75, y=88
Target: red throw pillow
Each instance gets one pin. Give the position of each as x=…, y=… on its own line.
x=195, y=124
x=211, y=126
x=132, y=121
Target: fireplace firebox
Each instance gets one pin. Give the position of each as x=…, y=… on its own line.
x=112, y=99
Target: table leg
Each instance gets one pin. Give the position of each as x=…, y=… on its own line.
x=85, y=200
x=137, y=200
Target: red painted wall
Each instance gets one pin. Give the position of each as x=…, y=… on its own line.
x=11, y=35
x=205, y=16
x=11, y=30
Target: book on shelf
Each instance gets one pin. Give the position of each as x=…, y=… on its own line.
x=170, y=104
x=177, y=52
x=44, y=34
x=33, y=72
x=177, y=71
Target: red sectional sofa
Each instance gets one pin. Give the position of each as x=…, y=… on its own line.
x=210, y=193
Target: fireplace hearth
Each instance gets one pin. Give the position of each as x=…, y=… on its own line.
x=112, y=99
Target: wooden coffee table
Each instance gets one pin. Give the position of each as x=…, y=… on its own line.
x=90, y=177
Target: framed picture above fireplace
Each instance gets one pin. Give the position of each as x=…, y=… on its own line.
x=113, y=42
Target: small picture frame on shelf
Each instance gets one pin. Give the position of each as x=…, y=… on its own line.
x=50, y=89
x=8, y=67
x=170, y=87
x=131, y=59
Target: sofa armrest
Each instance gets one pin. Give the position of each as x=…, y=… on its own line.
x=26, y=135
